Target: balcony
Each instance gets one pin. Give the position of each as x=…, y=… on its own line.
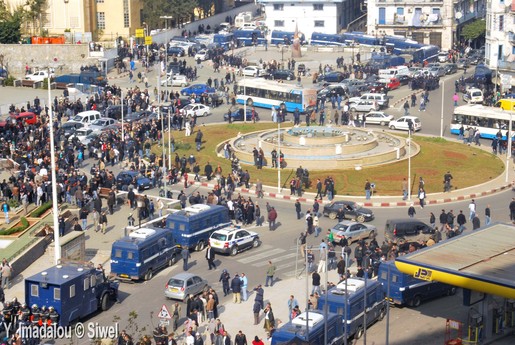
x=409, y=2
x=506, y=65
x=471, y=15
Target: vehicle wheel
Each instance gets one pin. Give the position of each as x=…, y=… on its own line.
x=250, y=102
x=172, y=260
x=353, y=110
x=234, y=250
x=105, y=302
x=382, y=314
x=183, y=85
x=332, y=215
x=149, y=275
x=372, y=234
x=359, y=332
x=360, y=218
x=415, y=302
x=200, y=246
x=392, y=127
x=288, y=78
x=204, y=115
x=256, y=243
x=254, y=75
x=382, y=123
x=451, y=291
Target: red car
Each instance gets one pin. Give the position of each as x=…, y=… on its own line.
x=28, y=117
x=393, y=84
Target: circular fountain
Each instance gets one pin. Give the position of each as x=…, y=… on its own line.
x=324, y=147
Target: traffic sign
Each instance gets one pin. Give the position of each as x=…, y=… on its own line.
x=164, y=313
x=140, y=33
x=148, y=40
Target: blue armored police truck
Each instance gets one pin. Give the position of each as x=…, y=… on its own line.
x=192, y=226
x=350, y=303
x=143, y=252
x=308, y=328
x=74, y=290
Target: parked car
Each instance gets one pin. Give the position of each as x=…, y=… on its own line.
x=364, y=106
x=407, y=229
x=231, y=241
x=181, y=285
x=414, y=71
x=351, y=211
x=404, y=79
x=301, y=69
x=80, y=134
x=451, y=68
x=443, y=56
x=175, y=80
x=135, y=116
x=177, y=51
x=393, y=84
x=331, y=90
x=463, y=63
x=203, y=55
x=332, y=77
x=237, y=115
x=352, y=231
x=39, y=76
x=197, y=89
x=437, y=71
x=283, y=74
x=378, y=118
x=27, y=117
x=196, y=108
x=115, y=111
x=70, y=127
x=402, y=123
x=127, y=177
x=102, y=123
x=253, y=71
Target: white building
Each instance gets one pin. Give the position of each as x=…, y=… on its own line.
x=436, y=22
x=500, y=40
x=325, y=16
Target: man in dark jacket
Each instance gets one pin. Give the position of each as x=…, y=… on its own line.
x=272, y=216
x=210, y=257
x=208, y=170
x=236, y=288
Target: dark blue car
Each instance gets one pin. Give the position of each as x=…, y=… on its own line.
x=197, y=89
x=125, y=178
x=237, y=115
x=332, y=77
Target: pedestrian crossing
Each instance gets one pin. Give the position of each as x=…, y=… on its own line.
x=283, y=259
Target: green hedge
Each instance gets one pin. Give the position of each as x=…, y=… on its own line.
x=24, y=225
x=41, y=209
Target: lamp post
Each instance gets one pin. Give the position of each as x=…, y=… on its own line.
x=55, y=206
x=245, y=100
x=441, y=110
x=163, y=147
x=508, y=154
x=345, y=327
x=278, y=154
x=409, y=164
x=146, y=34
x=123, y=130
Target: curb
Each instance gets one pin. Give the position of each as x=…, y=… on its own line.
x=119, y=76
x=406, y=98
x=366, y=204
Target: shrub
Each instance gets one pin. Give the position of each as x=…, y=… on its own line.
x=24, y=225
x=13, y=203
x=41, y=209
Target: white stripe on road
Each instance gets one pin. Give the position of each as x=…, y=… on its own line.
x=278, y=259
x=261, y=256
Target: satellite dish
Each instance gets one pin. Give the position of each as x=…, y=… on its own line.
x=458, y=15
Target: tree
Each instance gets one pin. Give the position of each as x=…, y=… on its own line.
x=153, y=10
x=34, y=10
x=474, y=30
x=10, y=25
x=206, y=7
x=182, y=10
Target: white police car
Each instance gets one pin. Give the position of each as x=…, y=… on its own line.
x=233, y=240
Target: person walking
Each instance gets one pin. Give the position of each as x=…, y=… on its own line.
x=368, y=188
x=411, y=211
x=224, y=278
x=103, y=221
x=315, y=281
x=185, y=254
x=298, y=209
x=210, y=257
x=272, y=216
x=472, y=209
x=244, y=285
x=256, y=309
x=269, y=320
x=421, y=197
x=96, y=220
x=404, y=189
x=236, y=288
x=270, y=272
x=6, y=271
x=406, y=108
x=487, y=215
x=5, y=209
x=292, y=303
x=260, y=296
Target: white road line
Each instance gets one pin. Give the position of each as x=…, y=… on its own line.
x=261, y=256
x=276, y=260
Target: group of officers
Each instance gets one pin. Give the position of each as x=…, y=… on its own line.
x=16, y=315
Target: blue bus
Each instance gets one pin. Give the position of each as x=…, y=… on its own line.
x=245, y=38
x=309, y=328
x=322, y=39
x=361, y=38
x=426, y=53
x=224, y=40
x=143, y=252
x=286, y=37
x=400, y=45
x=192, y=226
x=351, y=306
x=408, y=290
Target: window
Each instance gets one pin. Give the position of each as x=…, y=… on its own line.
x=126, y=18
x=130, y=255
x=278, y=7
x=93, y=281
x=86, y=283
x=34, y=290
x=318, y=7
x=57, y=294
x=100, y=1
x=72, y=291
x=400, y=11
x=501, y=22
x=101, y=20
x=319, y=23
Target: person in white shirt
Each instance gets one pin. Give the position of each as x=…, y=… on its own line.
x=472, y=209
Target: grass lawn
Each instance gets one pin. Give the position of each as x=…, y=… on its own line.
x=468, y=165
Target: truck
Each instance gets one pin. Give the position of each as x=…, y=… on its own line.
x=403, y=289
x=382, y=61
x=349, y=302
x=142, y=253
x=85, y=77
x=75, y=290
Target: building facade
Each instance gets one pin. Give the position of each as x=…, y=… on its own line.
x=325, y=16
x=500, y=40
x=436, y=22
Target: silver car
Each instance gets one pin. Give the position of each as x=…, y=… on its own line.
x=353, y=231
x=181, y=285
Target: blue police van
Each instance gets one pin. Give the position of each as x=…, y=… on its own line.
x=408, y=290
x=74, y=290
x=143, y=252
x=374, y=306
x=192, y=226
x=309, y=328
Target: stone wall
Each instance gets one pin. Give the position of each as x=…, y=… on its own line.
x=30, y=255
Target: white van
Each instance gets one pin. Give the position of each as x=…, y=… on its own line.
x=393, y=72
x=381, y=99
x=473, y=95
x=86, y=117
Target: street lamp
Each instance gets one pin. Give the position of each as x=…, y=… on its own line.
x=441, y=110
x=146, y=34
x=508, y=154
x=278, y=153
x=123, y=131
x=245, y=100
x=409, y=164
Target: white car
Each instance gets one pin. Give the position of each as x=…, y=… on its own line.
x=233, y=240
x=39, y=76
x=81, y=134
x=443, y=56
x=364, y=106
x=378, y=118
x=253, y=71
x=175, y=80
x=196, y=108
x=102, y=123
x=402, y=123
x=203, y=55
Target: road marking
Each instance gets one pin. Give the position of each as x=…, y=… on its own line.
x=278, y=259
x=261, y=256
